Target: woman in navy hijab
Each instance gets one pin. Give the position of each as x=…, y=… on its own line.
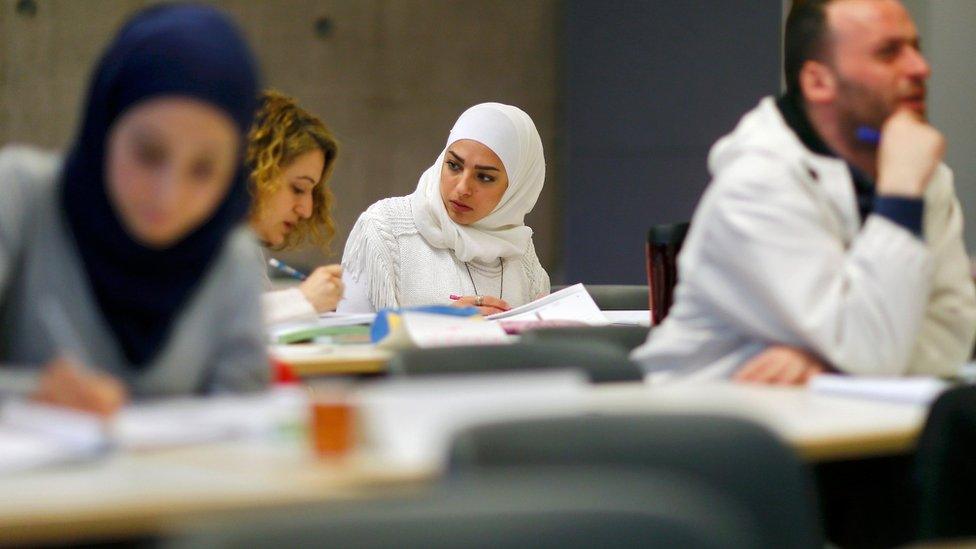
x=132, y=249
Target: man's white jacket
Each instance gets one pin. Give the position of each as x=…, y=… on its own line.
x=776, y=254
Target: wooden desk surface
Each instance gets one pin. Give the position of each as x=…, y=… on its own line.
x=139, y=493
x=310, y=360
x=820, y=427
x=133, y=493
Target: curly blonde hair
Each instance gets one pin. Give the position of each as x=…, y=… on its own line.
x=282, y=132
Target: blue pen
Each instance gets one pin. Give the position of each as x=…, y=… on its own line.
x=868, y=135
x=294, y=273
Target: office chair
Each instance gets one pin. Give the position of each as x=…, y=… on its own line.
x=616, y=297
x=600, y=361
x=515, y=508
x=624, y=337
x=945, y=467
x=736, y=457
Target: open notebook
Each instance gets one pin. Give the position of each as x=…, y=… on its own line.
x=572, y=303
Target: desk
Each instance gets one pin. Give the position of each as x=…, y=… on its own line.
x=820, y=427
x=139, y=493
x=310, y=360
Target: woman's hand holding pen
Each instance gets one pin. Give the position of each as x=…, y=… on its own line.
x=486, y=304
x=68, y=383
x=323, y=288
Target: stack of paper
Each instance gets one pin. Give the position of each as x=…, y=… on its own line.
x=906, y=390
x=36, y=435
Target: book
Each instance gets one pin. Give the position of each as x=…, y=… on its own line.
x=328, y=328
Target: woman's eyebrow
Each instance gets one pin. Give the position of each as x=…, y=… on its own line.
x=477, y=167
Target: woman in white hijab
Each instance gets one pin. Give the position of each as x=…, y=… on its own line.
x=460, y=237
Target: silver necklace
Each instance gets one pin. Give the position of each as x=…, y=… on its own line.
x=501, y=284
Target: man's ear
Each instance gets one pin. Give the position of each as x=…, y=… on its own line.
x=818, y=83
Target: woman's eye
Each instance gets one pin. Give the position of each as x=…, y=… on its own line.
x=297, y=190
x=485, y=178
x=453, y=165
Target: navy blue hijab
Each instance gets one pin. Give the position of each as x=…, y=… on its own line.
x=175, y=50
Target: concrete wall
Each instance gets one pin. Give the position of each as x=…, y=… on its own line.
x=389, y=77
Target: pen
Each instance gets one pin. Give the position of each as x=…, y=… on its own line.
x=868, y=135
x=294, y=273
x=454, y=297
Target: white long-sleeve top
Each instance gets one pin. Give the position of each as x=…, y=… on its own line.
x=776, y=254
x=387, y=263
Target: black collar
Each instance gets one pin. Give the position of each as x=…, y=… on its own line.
x=792, y=111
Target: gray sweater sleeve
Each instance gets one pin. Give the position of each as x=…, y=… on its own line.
x=240, y=361
x=18, y=167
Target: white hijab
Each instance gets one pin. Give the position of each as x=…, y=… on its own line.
x=510, y=134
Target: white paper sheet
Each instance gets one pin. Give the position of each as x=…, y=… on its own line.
x=412, y=421
x=34, y=435
x=906, y=390
x=571, y=303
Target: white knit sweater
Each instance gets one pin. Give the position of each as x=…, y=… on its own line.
x=387, y=263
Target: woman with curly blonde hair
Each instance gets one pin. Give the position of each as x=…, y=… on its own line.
x=291, y=155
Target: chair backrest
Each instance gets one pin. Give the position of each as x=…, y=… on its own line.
x=602, y=362
x=504, y=509
x=624, y=337
x=734, y=456
x=663, y=245
x=946, y=467
x=616, y=297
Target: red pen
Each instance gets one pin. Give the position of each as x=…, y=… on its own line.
x=453, y=297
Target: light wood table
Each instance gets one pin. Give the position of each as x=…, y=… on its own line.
x=820, y=427
x=311, y=360
x=143, y=493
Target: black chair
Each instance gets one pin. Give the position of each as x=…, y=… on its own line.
x=602, y=362
x=664, y=243
x=616, y=297
x=733, y=456
x=946, y=467
x=503, y=509
x=624, y=337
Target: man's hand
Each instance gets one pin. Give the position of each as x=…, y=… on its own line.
x=323, y=288
x=909, y=151
x=780, y=365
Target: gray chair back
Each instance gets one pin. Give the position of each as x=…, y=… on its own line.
x=546, y=508
x=945, y=467
x=624, y=337
x=737, y=457
x=617, y=297
x=600, y=361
